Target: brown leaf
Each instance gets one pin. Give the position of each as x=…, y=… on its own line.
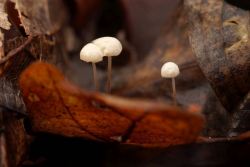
x=12, y=133
x=16, y=139
x=56, y=106
x=39, y=18
x=220, y=39
x=4, y=22
x=3, y=147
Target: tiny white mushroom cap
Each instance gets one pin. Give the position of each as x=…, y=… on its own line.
x=109, y=45
x=170, y=70
x=91, y=53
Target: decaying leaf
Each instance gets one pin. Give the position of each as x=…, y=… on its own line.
x=58, y=107
x=4, y=22
x=3, y=148
x=17, y=50
x=38, y=18
x=219, y=36
x=16, y=139
x=12, y=128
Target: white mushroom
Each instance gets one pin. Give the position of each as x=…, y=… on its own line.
x=171, y=70
x=110, y=46
x=92, y=53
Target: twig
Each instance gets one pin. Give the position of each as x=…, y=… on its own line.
x=16, y=50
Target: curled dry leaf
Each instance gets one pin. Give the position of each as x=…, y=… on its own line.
x=57, y=106
x=219, y=37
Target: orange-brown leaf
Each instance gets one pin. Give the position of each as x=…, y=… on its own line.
x=57, y=106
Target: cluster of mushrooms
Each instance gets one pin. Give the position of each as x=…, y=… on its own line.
x=109, y=46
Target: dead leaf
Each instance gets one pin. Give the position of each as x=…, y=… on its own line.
x=3, y=148
x=58, y=107
x=220, y=39
x=39, y=18
x=16, y=139
x=4, y=22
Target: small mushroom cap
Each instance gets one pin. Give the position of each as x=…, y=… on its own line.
x=91, y=53
x=110, y=46
x=170, y=70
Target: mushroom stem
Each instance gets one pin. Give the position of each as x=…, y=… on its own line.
x=174, y=91
x=95, y=76
x=109, y=74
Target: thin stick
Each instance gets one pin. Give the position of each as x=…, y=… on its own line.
x=16, y=50
x=174, y=91
x=95, y=76
x=109, y=74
